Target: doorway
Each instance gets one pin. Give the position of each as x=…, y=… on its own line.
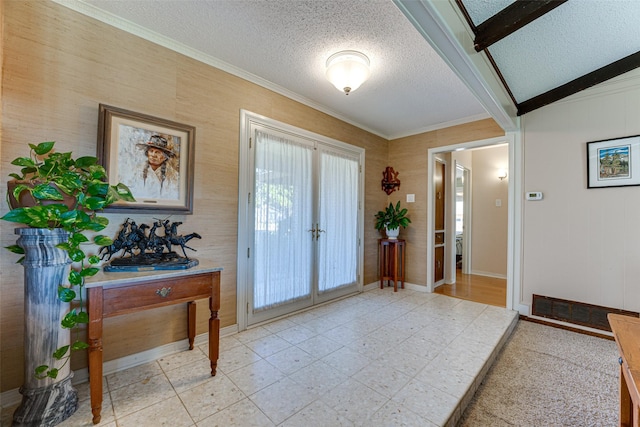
x=300, y=223
x=463, y=221
x=513, y=207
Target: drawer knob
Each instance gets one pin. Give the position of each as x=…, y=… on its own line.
x=164, y=292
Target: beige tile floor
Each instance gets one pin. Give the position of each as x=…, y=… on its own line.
x=376, y=359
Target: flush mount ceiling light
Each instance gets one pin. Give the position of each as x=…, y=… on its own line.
x=347, y=70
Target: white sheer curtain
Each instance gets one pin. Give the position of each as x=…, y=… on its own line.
x=338, y=244
x=283, y=248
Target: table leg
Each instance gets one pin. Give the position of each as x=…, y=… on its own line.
x=94, y=336
x=191, y=322
x=402, y=248
x=381, y=262
x=394, y=265
x=214, y=324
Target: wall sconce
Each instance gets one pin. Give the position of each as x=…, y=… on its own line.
x=347, y=70
x=502, y=174
x=390, y=181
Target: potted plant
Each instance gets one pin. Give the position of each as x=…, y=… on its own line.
x=58, y=198
x=391, y=219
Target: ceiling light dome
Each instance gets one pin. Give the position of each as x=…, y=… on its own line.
x=347, y=70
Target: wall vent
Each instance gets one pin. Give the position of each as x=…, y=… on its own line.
x=579, y=313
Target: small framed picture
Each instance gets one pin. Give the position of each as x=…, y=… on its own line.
x=154, y=157
x=613, y=162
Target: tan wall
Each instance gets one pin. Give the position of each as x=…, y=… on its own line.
x=489, y=222
x=58, y=66
x=578, y=243
x=409, y=157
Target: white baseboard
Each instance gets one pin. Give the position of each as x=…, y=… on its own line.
x=488, y=274
x=13, y=397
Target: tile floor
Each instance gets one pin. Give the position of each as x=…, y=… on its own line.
x=376, y=359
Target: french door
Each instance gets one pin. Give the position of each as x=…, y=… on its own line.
x=303, y=220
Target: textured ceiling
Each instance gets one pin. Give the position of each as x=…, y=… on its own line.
x=284, y=44
x=287, y=42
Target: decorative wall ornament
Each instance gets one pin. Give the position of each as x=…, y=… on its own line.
x=390, y=181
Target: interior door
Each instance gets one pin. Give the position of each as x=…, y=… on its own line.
x=305, y=223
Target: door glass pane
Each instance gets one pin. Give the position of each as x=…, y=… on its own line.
x=338, y=218
x=283, y=247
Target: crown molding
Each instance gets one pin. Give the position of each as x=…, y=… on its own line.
x=122, y=24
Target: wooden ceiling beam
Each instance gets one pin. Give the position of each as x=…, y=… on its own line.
x=593, y=78
x=511, y=19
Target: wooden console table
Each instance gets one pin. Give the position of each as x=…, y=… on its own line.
x=116, y=293
x=391, y=253
x=626, y=331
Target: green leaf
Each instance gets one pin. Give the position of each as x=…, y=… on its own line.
x=124, y=192
x=15, y=176
x=75, y=278
x=79, y=238
x=18, y=215
x=85, y=162
x=94, y=203
x=79, y=345
x=24, y=161
x=69, y=321
x=83, y=317
x=46, y=192
x=43, y=147
x=15, y=249
x=98, y=188
x=89, y=271
x=28, y=170
x=76, y=255
x=19, y=189
x=40, y=370
x=60, y=353
x=53, y=373
x=94, y=259
x=103, y=221
x=103, y=240
x=65, y=246
x=66, y=294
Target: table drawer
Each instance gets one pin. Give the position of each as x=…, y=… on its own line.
x=155, y=293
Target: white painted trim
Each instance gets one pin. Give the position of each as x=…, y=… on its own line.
x=13, y=397
x=443, y=125
x=146, y=34
x=487, y=274
x=446, y=30
x=514, y=221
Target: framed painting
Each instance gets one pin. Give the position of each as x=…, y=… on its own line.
x=154, y=157
x=613, y=162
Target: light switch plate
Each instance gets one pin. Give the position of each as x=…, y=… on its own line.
x=411, y=198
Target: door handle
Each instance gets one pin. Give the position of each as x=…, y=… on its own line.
x=313, y=233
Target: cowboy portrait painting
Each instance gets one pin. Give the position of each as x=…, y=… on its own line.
x=154, y=157
x=149, y=163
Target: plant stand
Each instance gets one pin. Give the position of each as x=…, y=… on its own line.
x=45, y=402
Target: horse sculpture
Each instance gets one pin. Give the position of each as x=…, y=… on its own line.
x=172, y=238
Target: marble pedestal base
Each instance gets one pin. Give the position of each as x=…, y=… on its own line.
x=46, y=406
